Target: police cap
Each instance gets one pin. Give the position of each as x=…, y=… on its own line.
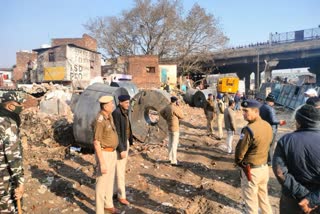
x=105, y=99
x=173, y=99
x=270, y=98
x=123, y=98
x=250, y=104
x=7, y=96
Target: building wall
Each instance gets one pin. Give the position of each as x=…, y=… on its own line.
x=22, y=59
x=70, y=64
x=168, y=73
x=144, y=70
x=86, y=41
x=5, y=77
x=51, y=71
x=83, y=64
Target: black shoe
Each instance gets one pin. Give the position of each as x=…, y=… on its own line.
x=176, y=164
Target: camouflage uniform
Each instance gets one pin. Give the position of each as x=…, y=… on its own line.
x=11, y=168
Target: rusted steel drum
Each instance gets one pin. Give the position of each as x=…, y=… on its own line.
x=147, y=124
x=130, y=86
x=188, y=97
x=87, y=108
x=200, y=97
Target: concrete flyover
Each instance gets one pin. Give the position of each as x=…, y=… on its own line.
x=267, y=57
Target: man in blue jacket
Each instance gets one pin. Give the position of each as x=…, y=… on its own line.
x=268, y=114
x=123, y=126
x=296, y=164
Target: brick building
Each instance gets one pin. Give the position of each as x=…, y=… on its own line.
x=144, y=70
x=86, y=42
x=68, y=63
x=22, y=59
x=68, y=59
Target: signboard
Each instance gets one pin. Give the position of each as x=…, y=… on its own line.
x=54, y=73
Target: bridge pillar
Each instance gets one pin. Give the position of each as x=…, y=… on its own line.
x=269, y=66
x=315, y=68
x=245, y=74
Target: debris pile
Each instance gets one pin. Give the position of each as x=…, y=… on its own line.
x=40, y=128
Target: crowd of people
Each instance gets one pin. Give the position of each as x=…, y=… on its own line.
x=295, y=159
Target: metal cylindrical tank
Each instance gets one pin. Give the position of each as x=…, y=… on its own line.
x=188, y=97
x=130, y=86
x=200, y=97
x=147, y=124
x=87, y=108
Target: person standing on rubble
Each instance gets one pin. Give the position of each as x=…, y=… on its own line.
x=172, y=114
x=210, y=112
x=230, y=124
x=11, y=165
x=220, y=113
x=268, y=114
x=296, y=163
x=105, y=143
x=123, y=126
x=251, y=156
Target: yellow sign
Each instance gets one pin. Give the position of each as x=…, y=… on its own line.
x=54, y=73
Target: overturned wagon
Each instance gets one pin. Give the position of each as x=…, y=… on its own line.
x=147, y=125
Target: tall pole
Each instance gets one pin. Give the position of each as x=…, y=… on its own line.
x=258, y=69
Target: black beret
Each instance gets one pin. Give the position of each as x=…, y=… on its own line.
x=173, y=99
x=210, y=95
x=122, y=98
x=308, y=116
x=271, y=98
x=250, y=104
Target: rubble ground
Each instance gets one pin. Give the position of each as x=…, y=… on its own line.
x=59, y=179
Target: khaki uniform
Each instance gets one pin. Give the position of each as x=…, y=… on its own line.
x=220, y=113
x=105, y=133
x=172, y=114
x=210, y=110
x=252, y=149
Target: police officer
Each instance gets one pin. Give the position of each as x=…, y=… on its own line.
x=296, y=164
x=210, y=112
x=105, y=144
x=251, y=155
x=268, y=114
x=11, y=165
x=172, y=114
x=123, y=126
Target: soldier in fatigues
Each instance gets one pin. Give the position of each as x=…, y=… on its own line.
x=11, y=166
x=251, y=155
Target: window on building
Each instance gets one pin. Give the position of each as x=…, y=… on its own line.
x=91, y=64
x=151, y=69
x=51, y=57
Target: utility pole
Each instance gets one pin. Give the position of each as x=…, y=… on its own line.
x=258, y=69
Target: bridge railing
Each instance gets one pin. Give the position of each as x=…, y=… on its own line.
x=295, y=36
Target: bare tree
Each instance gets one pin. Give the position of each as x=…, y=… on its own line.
x=160, y=29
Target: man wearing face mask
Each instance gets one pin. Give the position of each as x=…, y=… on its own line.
x=11, y=166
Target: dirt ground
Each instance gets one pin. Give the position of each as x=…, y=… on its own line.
x=61, y=181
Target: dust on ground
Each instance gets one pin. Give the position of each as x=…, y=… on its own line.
x=61, y=180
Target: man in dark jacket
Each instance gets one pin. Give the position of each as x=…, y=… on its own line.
x=210, y=112
x=296, y=164
x=268, y=114
x=123, y=126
